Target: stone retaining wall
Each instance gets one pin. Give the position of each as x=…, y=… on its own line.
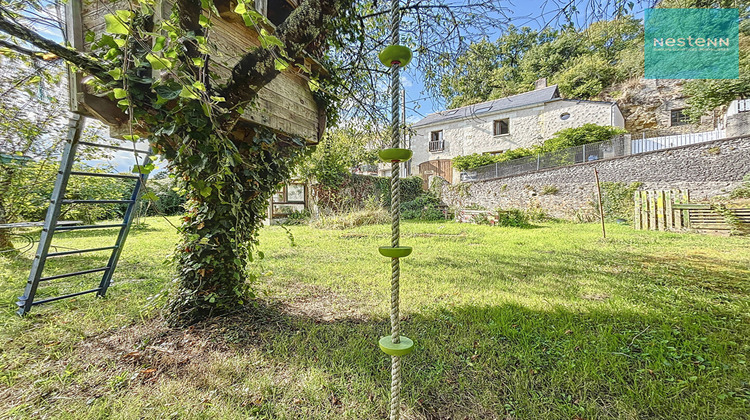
x=706, y=170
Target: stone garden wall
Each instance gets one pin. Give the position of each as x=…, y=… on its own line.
x=706, y=170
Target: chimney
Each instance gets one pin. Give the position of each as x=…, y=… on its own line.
x=540, y=83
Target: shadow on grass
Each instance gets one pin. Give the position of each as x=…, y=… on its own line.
x=505, y=361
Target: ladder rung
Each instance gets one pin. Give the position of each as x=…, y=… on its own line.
x=77, y=273
x=97, y=201
x=39, y=302
x=79, y=251
x=109, y=146
x=104, y=175
x=64, y=228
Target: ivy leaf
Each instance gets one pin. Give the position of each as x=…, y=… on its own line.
x=159, y=43
x=150, y=196
x=158, y=63
x=280, y=64
x=188, y=93
x=144, y=169
x=205, y=192
x=169, y=91
x=120, y=93
x=267, y=40
x=203, y=21
x=240, y=9
x=116, y=73
x=198, y=62
x=115, y=24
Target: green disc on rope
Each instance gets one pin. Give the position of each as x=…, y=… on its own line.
x=395, y=54
x=394, y=155
x=394, y=251
x=401, y=349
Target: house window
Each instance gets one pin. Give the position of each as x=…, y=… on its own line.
x=501, y=127
x=437, y=144
x=288, y=199
x=678, y=117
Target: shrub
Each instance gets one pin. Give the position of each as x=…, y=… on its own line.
x=424, y=207
x=549, y=190
x=617, y=200
x=512, y=218
x=587, y=133
x=297, y=218
x=743, y=191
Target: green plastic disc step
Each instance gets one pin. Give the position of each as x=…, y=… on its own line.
x=394, y=155
x=401, y=349
x=395, y=54
x=394, y=252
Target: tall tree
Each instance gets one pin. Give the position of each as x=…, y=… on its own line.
x=191, y=116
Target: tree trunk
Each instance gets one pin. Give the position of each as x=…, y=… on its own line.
x=221, y=228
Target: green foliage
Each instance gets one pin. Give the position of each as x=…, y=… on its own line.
x=423, y=207
x=563, y=139
x=170, y=198
x=706, y=95
x=587, y=133
x=617, y=200
x=338, y=152
x=549, y=189
x=581, y=62
x=297, y=217
x=743, y=191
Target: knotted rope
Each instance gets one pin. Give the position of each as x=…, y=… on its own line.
x=395, y=218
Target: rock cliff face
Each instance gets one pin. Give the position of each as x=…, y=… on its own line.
x=646, y=105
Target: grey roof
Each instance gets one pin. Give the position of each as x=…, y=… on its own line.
x=538, y=96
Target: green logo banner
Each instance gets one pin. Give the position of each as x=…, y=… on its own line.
x=692, y=43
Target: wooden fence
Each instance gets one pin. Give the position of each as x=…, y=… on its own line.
x=672, y=210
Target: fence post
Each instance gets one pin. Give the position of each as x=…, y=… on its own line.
x=677, y=194
x=686, y=214
x=660, y=209
x=585, y=159
x=668, y=205
x=496, y=169
x=637, y=210
x=652, y=210
x=538, y=157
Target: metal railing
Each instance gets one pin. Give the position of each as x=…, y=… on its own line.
x=436, y=145
x=616, y=147
x=743, y=105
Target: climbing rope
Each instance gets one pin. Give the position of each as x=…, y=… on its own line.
x=395, y=56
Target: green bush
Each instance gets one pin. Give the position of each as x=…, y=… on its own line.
x=298, y=217
x=587, y=133
x=743, y=191
x=617, y=200
x=424, y=207
x=512, y=218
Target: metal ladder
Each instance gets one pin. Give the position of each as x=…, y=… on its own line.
x=75, y=127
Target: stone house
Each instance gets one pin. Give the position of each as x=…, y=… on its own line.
x=500, y=125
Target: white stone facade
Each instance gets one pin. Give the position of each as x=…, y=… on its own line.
x=527, y=125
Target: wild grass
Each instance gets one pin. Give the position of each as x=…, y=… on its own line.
x=551, y=322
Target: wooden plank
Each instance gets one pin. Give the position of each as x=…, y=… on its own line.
x=652, y=211
x=645, y=211
x=285, y=105
x=660, y=210
x=677, y=197
x=668, y=197
x=693, y=206
x=637, y=210
x=686, y=213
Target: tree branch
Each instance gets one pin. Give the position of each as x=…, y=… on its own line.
x=72, y=56
x=20, y=49
x=256, y=69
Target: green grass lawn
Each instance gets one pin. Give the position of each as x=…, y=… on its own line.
x=552, y=322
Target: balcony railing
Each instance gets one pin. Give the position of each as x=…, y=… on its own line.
x=436, y=146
